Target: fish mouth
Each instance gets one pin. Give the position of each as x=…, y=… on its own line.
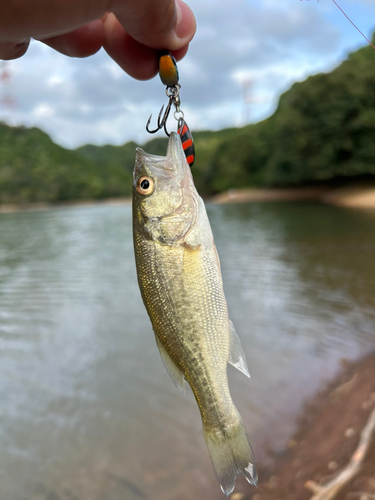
x=149, y=164
x=141, y=155
x=162, y=165
x=174, y=151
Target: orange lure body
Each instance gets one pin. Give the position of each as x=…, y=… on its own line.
x=168, y=71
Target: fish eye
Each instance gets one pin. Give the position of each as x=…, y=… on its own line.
x=145, y=186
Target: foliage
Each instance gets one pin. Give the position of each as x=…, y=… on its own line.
x=323, y=129
x=33, y=168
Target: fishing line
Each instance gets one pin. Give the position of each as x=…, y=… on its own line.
x=348, y=18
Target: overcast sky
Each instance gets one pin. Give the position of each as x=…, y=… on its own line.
x=261, y=45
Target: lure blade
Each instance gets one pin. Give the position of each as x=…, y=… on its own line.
x=187, y=141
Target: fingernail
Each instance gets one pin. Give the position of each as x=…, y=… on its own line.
x=10, y=51
x=21, y=44
x=65, y=45
x=185, y=20
x=17, y=45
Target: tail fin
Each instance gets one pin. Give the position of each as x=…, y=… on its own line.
x=231, y=454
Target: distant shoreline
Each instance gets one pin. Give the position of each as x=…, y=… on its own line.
x=42, y=206
x=268, y=195
x=354, y=197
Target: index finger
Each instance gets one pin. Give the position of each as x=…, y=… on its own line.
x=166, y=24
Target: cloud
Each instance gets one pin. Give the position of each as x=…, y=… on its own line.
x=266, y=45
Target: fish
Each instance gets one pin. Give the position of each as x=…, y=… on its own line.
x=180, y=280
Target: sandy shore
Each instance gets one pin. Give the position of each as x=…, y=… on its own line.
x=328, y=434
x=264, y=195
x=356, y=197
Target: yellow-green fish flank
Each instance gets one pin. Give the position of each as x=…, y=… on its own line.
x=180, y=281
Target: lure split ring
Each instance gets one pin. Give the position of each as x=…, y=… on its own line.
x=173, y=94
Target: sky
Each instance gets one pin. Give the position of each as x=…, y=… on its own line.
x=245, y=54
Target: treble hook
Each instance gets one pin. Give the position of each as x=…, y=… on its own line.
x=162, y=122
x=173, y=93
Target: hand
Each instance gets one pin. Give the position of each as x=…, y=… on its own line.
x=131, y=31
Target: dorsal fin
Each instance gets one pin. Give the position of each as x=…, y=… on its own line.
x=174, y=372
x=236, y=354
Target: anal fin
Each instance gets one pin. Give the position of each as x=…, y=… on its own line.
x=236, y=354
x=174, y=372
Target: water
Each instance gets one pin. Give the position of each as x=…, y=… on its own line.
x=87, y=411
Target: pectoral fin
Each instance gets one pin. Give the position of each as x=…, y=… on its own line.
x=236, y=354
x=175, y=373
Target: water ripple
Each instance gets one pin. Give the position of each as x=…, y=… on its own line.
x=84, y=397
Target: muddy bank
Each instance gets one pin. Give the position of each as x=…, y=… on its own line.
x=328, y=434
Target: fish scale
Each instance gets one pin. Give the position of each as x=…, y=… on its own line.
x=180, y=281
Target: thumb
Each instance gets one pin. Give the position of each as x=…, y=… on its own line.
x=161, y=24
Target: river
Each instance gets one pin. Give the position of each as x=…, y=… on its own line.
x=87, y=410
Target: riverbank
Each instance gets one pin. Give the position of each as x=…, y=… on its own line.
x=42, y=206
x=355, y=197
x=265, y=195
x=328, y=434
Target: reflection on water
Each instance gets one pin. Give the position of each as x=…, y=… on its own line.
x=87, y=410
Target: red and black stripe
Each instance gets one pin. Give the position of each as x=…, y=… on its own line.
x=187, y=142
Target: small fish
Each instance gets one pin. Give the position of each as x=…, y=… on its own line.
x=180, y=281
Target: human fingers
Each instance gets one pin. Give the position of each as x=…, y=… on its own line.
x=145, y=25
x=82, y=42
x=10, y=51
x=162, y=24
x=136, y=59
x=159, y=24
x=46, y=18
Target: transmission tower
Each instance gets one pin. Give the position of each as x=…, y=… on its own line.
x=247, y=88
x=7, y=101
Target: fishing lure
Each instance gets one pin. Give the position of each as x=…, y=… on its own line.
x=187, y=141
x=169, y=76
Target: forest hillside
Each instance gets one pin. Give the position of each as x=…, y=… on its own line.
x=322, y=130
